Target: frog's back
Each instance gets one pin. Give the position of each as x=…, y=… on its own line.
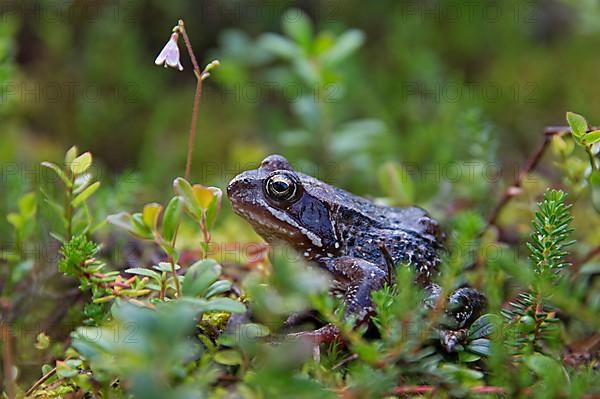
x=415, y=241
x=409, y=234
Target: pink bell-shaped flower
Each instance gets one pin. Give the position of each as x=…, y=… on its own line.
x=169, y=55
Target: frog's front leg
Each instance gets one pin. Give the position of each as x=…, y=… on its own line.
x=463, y=307
x=357, y=279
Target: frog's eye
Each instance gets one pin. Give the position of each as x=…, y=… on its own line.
x=281, y=187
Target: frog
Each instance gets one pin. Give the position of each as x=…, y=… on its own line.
x=355, y=240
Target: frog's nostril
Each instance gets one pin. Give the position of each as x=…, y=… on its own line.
x=240, y=186
x=232, y=187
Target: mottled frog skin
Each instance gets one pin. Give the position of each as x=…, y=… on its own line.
x=354, y=239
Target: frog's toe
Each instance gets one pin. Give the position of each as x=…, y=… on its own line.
x=451, y=339
x=323, y=335
x=298, y=318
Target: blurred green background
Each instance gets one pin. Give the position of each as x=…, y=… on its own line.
x=340, y=88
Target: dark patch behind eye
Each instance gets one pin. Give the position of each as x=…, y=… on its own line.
x=313, y=215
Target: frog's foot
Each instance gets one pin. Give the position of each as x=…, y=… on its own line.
x=297, y=318
x=463, y=307
x=323, y=335
x=451, y=338
x=360, y=278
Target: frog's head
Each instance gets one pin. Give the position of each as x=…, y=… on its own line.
x=284, y=205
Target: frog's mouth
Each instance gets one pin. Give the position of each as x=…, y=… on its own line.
x=271, y=223
x=246, y=196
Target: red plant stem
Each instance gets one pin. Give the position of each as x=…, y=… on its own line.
x=197, y=95
x=512, y=190
x=345, y=361
x=423, y=389
x=188, y=44
x=487, y=389
x=39, y=382
x=69, y=204
x=175, y=278
x=205, y=235
x=413, y=389
x=192, y=136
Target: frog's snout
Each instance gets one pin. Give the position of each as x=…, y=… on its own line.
x=230, y=187
x=233, y=187
x=242, y=186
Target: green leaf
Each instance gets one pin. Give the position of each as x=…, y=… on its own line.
x=225, y=305
x=127, y=222
x=218, y=287
x=577, y=123
x=214, y=305
x=200, y=276
x=278, y=45
x=81, y=182
x=215, y=206
x=16, y=220
x=297, y=25
x=183, y=188
x=468, y=357
x=63, y=370
x=228, y=357
x=73, y=362
x=171, y=218
x=58, y=171
x=484, y=326
x=542, y=365
x=595, y=178
x=28, y=205
x=42, y=341
x=85, y=194
x=204, y=196
x=252, y=331
x=150, y=215
x=480, y=346
x=344, y=46
x=461, y=373
x=81, y=163
x=140, y=271
x=592, y=137
x=140, y=227
x=165, y=267
x=122, y=220
x=70, y=155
